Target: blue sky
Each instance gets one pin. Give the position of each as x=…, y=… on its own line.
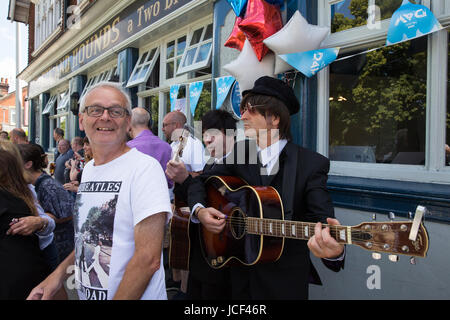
x=8, y=45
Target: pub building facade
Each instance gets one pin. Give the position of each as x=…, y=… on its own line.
x=379, y=113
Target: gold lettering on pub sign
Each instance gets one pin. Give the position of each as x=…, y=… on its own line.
x=108, y=35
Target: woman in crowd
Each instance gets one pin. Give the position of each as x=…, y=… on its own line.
x=56, y=202
x=41, y=225
x=22, y=263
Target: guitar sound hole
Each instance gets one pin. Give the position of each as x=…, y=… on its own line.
x=237, y=223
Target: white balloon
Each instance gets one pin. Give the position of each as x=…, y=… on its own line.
x=296, y=36
x=247, y=68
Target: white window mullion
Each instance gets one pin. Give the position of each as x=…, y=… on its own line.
x=436, y=100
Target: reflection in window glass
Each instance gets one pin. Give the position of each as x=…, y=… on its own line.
x=170, y=49
x=181, y=45
x=378, y=105
x=349, y=14
x=196, y=36
x=152, y=105
x=203, y=53
x=169, y=69
x=204, y=103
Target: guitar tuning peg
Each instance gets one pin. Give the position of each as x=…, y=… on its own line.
x=412, y=260
x=376, y=255
x=374, y=217
x=391, y=216
x=410, y=215
x=393, y=258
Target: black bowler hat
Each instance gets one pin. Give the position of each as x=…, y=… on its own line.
x=273, y=87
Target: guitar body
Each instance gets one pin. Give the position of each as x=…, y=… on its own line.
x=179, y=246
x=236, y=199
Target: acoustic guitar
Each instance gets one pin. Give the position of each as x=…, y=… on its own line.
x=179, y=241
x=255, y=229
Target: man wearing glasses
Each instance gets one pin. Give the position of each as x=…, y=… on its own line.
x=299, y=175
x=121, y=209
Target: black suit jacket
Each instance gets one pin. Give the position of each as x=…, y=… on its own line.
x=198, y=267
x=302, y=186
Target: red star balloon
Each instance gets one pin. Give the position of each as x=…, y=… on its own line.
x=261, y=21
x=237, y=37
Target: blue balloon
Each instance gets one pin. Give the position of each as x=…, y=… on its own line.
x=411, y=21
x=311, y=62
x=238, y=6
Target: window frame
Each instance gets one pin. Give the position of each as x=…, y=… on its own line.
x=139, y=66
x=201, y=64
x=434, y=170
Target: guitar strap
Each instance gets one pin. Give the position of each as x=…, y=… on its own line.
x=289, y=177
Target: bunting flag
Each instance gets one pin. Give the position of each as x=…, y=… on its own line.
x=195, y=90
x=223, y=85
x=238, y=6
x=173, y=95
x=411, y=21
x=311, y=62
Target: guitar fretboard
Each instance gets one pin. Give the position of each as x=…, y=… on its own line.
x=295, y=229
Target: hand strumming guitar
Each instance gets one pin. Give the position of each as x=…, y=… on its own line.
x=212, y=219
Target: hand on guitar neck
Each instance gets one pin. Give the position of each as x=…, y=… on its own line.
x=322, y=244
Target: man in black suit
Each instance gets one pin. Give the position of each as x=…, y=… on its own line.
x=204, y=282
x=298, y=174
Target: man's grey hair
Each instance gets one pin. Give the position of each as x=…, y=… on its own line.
x=107, y=84
x=140, y=117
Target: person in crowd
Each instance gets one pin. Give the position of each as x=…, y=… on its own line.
x=298, y=174
x=60, y=164
x=193, y=153
x=77, y=166
x=74, y=163
x=204, y=282
x=121, y=209
x=41, y=225
x=18, y=136
x=23, y=264
x=4, y=135
x=145, y=141
x=56, y=202
x=58, y=134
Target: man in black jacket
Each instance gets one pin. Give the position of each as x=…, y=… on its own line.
x=299, y=175
x=204, y=282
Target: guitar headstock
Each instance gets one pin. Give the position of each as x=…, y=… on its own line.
x=183, y=137
x=391, y=237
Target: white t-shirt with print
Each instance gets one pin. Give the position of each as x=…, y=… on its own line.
x=193, y=155
x=112, y=199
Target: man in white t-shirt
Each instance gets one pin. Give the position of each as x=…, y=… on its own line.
x=193, y=155
x=120, y=213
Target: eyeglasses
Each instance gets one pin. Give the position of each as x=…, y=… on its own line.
x=168, y=123
x=250, y=108
x=113, y=112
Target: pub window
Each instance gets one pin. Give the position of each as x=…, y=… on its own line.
x=204, y=102
x=143, y=67
x=50, y=106
x=63, y=102
x=377, y=104
x=347, y=14
x=174, y=53
x=198, y=50
x=382, y=112
x=107, y=75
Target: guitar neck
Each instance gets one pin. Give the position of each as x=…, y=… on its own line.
x=295, y=229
